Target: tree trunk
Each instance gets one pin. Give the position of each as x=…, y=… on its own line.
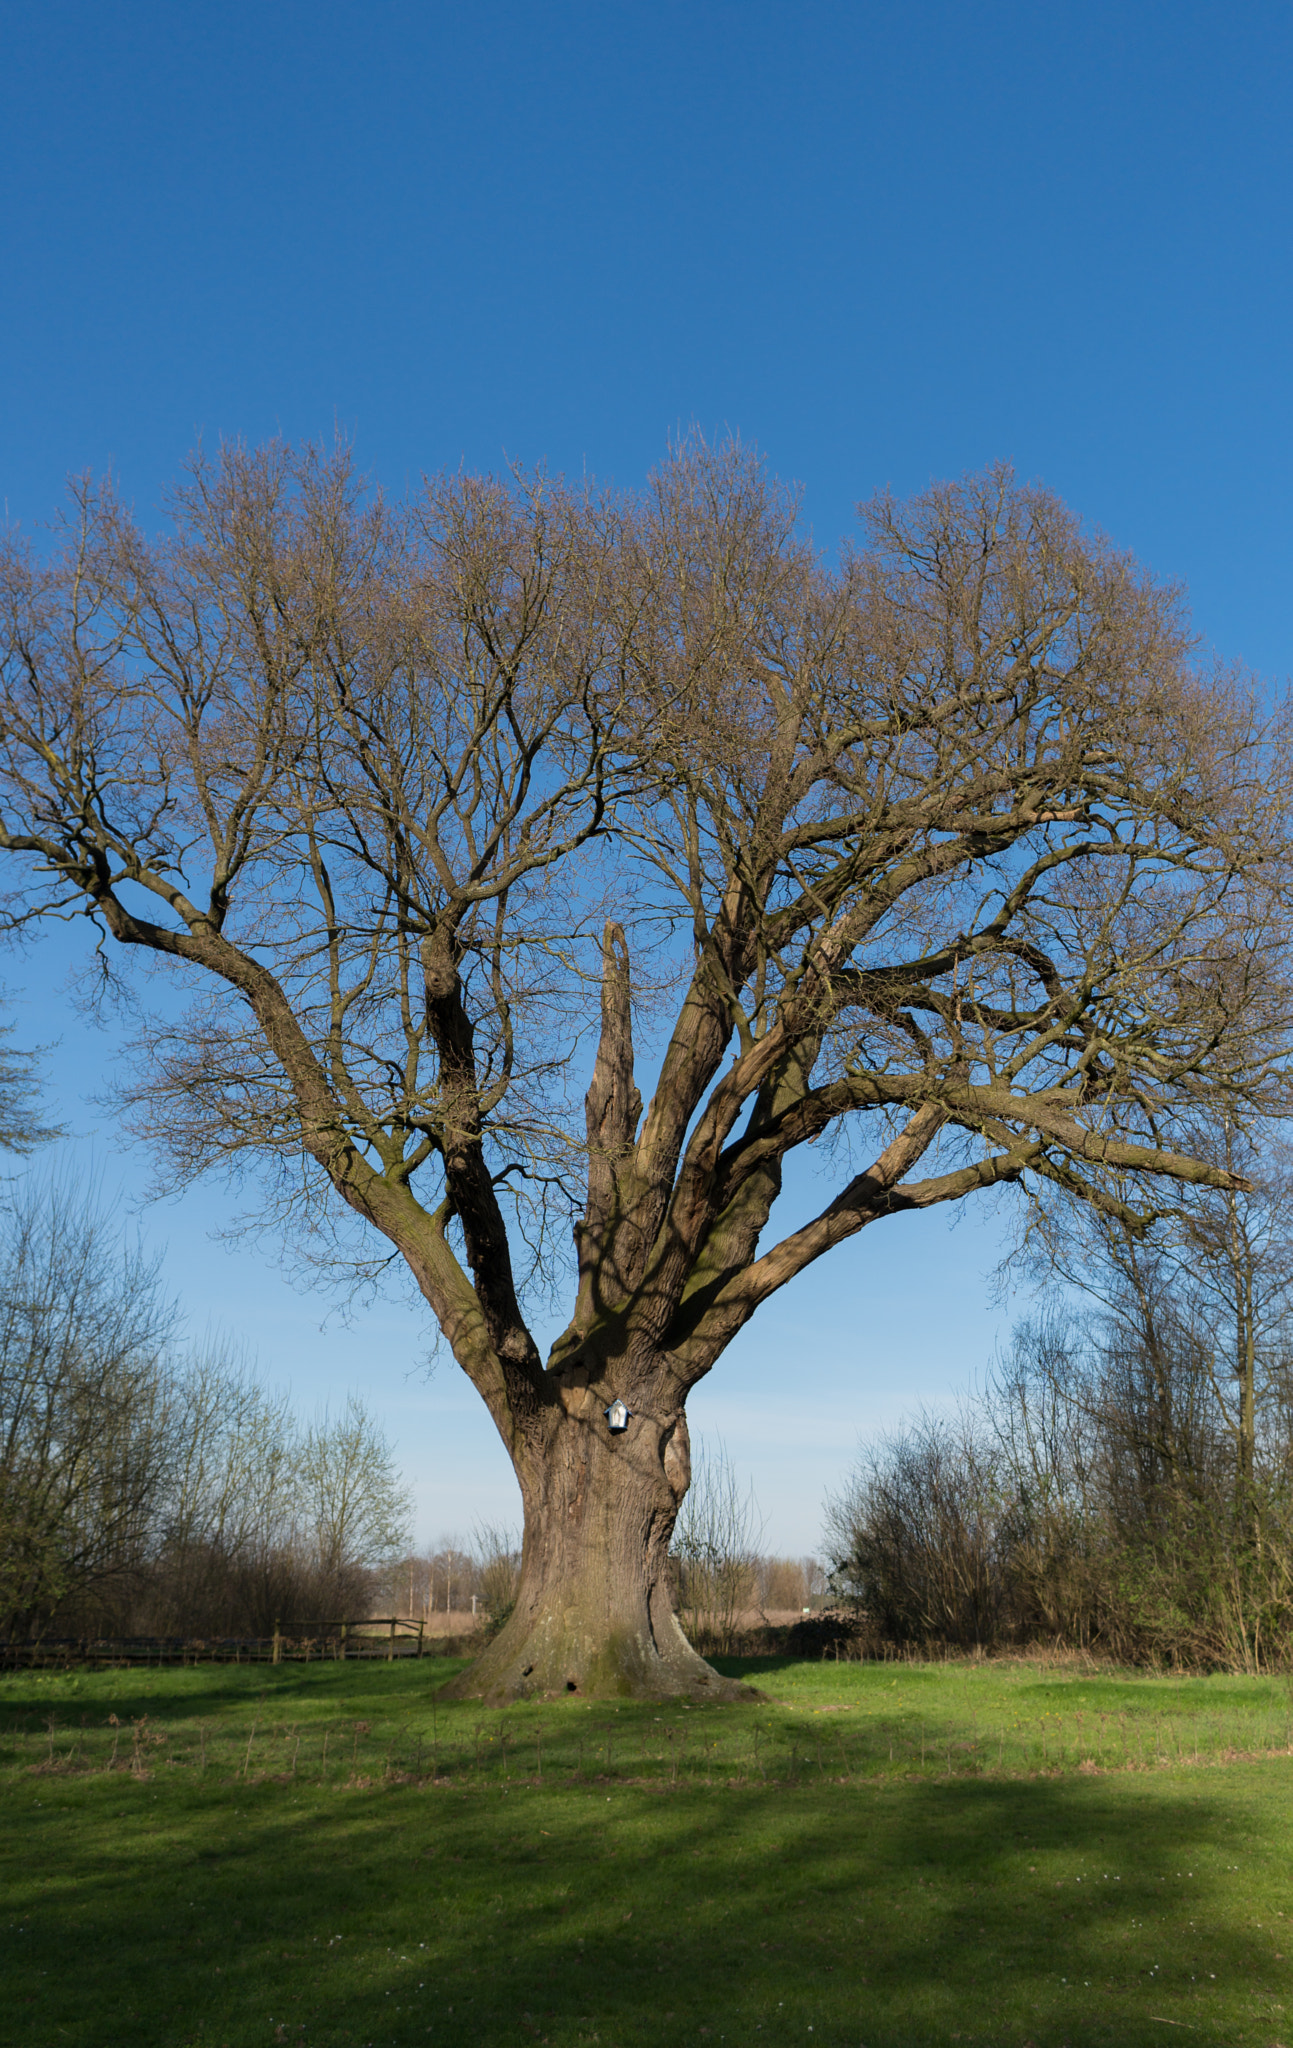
x=594, y=1614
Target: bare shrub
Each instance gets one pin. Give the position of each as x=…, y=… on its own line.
x=1124, y=1478
x=918, y=1533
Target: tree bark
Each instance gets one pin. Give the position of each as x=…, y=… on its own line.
x=594, y=1612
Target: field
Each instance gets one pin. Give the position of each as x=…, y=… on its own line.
x=877, y=1855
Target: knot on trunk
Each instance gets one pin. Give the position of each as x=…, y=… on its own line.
x=675, y=1456
x=439, y=968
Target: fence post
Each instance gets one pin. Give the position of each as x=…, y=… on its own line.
x=390, y=1647
x=421, y=1626
x=343, y=1642
x=278, y=1642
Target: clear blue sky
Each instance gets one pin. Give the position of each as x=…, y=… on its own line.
x=886, y=243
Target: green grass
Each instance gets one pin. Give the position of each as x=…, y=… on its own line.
x=876, y=1855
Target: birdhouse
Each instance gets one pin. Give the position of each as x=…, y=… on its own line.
x=617, y=1418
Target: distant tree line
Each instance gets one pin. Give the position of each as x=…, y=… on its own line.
x=475, y=1579
x=1123, y=1480
x=146, y=1488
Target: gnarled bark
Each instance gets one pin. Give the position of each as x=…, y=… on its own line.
x=594, y=1613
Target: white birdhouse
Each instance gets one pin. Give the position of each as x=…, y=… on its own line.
x=617, y=1418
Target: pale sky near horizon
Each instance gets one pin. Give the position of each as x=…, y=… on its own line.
x=883, y=243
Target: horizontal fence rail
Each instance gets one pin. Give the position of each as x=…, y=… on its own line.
x=292, y=1642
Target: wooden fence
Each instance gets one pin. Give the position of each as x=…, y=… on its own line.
x=293, y=1642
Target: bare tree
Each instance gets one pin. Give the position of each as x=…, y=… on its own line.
x=788, y=1583
x=497, y=1571
x=232, y=1491
x=716, y=1548
x=1203, y=1301
x=1231, y=1256
x=353, y=1501
x=265, y=1519
x=141, y=1481
x=20, y=1128
x=956, y=847
x=1086, y=1493
x=87, y=1418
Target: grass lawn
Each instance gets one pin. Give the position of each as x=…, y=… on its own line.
x=878, y=1855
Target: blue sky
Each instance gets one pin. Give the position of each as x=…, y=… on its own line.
x=886, y=243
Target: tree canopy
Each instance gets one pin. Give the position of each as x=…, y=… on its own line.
x=954, y=849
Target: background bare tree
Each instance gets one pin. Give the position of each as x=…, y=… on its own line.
x=789, y=1584
x=954, y=852
x=496, y=1555
x=349, y=1492
x=1210, y=1288
x=1124, y=1478
x=143, y=1487
x=86, y=1414
x=20, y=1127
x=716, y=1549
x=268, y=1519
x=476, y=1584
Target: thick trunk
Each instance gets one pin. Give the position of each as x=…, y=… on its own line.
x=594, y=1614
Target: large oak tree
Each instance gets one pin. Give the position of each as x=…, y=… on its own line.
x=951, y=857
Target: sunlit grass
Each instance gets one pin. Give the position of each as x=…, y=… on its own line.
x=876, y=1854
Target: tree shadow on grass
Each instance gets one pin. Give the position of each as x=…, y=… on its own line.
x=213, y=1689
x=909, y=1913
